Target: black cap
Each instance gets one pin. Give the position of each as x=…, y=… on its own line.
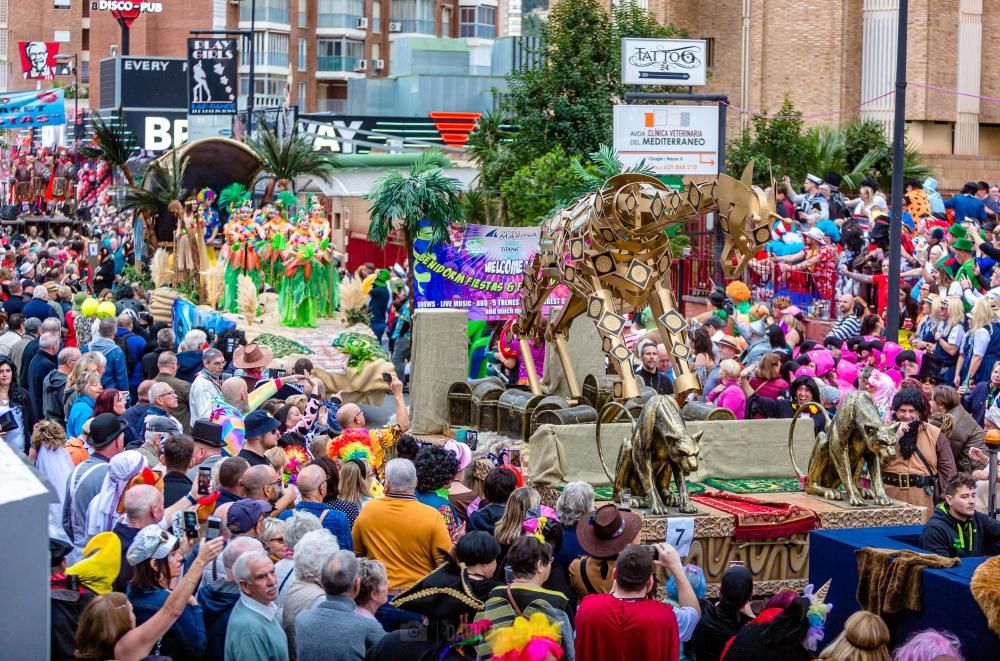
x=104, y=429
x=833, y=341
x=58, y=550
x=907, y=356
x=208, y=433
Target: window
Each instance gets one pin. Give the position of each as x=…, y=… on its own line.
x=478, y=22
x=446, y=21
x=376, y=52
x=303, y=18
x=414, y=15
x=271, y=49
x=85, y=40
x=61, y=36
x=61, y=4
x=339, y=13
x=84, y=72
x=338, y=54
x=710, y=52
x=376, y=22
x=302, y=54
x=272, y=11
x=301, y=100
x=265, y=85
x=338, y=222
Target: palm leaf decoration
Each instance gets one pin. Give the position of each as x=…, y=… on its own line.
x=233, y=196
x=286, y=157
x=162, y=185
x=604, y=164
x=403, y=202
x=113, y=142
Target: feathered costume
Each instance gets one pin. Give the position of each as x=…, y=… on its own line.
x=308, y=288
x=241, y=234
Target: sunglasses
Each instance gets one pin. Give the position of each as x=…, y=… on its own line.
x=929, y=380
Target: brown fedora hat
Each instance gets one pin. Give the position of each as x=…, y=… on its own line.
x=252, y=356
x=607, y=531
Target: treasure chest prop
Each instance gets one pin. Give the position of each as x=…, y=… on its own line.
x=574, y=415
x=485, y=398
x=60, y=187
x=705, y=411
x=460, y=400
x=599, y=390
x=550, y=403
x=517, y=409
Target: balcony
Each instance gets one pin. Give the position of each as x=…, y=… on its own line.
x=477, y=30
x=338, y=67
x=340, y=25
x=415, y=26
x=268, y=11
x=331, y=105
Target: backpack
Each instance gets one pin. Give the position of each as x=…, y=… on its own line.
x=838, y=206
x=130, y=360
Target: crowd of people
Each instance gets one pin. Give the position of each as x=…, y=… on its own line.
x=209, y=512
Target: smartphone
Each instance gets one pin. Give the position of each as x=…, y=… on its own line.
x=204, y=480
x=515, y=457
x=214, y=528
x=177, y=524
x=191, y=524
x=508, y=572
x=472, y=439
x=387, y=377
x=652, y=549
x=72, y=582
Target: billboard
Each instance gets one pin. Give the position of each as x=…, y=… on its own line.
x=479, y=270
x=38, y=59
x=678, y=140
x=339, y=133
x=664, y=62
x=212, y=80
x=27, y=110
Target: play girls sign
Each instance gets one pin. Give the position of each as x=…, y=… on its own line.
x=126, y=11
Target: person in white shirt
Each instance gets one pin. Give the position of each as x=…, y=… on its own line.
x=207, y=386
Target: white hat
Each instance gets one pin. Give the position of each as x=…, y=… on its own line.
x=816, y=233
x=813, y=178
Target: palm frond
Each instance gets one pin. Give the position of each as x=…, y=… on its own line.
x=163, y=185
x=113, y=141
x=406, y=200
x=291, y=156
x=233, y=196
x=863, y=168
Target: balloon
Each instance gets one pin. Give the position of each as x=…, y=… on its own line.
x=89, y=307
x=106, y=310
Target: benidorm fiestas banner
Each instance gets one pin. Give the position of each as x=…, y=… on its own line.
x=25, y=110
x=480, y=270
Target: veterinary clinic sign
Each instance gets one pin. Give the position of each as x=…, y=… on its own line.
x=681, y=140
x=664, y=61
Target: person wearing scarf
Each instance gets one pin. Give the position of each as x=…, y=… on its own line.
x=103, y=510
x=207, y=386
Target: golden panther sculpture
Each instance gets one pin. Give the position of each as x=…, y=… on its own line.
x=612, y=251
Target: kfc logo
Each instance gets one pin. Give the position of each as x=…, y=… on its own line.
x=38, y=59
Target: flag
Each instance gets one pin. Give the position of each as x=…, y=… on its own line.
x=38, y=59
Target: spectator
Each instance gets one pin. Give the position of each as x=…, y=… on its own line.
x=273, y=538
x=306, y=591
x=523, y=504
x=41, y=365
x=530, y=561
x=165, y=341
x=54, y=386
x=605, y=623
x=38, y=307
x=410, y=552
x=163, y=400
x=728, y=347
x=189, y=355
x=373, y=591
x=649, y=372
x=14, y=399
x=957, y=530
x=353, y=489
x=66, y=606
x=157, y=560
x=254, y=632
x=296, y=527
x=15, y=329
x=720, y=622
x=966, y=204
x=264, y=483
x=135, y=413
x=980, y=350
x=865, y=638
x=851, y=310
x=217, y=599
x=606, y=534
x=231, y=472
x=929, y=645
x=116, y=372
x=497, y=487
x=207, y=386
x=107, y=629
x=378, y=303
x=781, y=638
x=14, y=305
x=261, y=431
x=729, y=394
x=49, y=455
x=966, y=433
x=143, y=507
x=436, y=468
x=132, y=345
x=459, y=495
x=574, y=504
x=207, y=437
x=333, y=630
x=31, y=330
x=158, y=428
x=167, y=364
x=178, y=449
x=49, y=327
x=350, y=417
x=312, y=485
x=107, y=439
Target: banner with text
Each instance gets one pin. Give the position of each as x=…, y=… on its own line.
x=480, y=270
x=212, y=77
x=26, y=110
x=681, y=140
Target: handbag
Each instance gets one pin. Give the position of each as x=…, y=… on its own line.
x=7, y=422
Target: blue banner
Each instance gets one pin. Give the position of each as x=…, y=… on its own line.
x=26, y=110
x=187, y=316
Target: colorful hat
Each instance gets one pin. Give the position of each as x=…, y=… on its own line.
x=963, y=244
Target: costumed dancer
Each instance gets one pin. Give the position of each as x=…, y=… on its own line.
x=206, y=222
x=275, y=228
x=302, y=289
x=59, y=186
x=20, y=189
x=326, y=271
x=242, y=233
x=41, y=172
x=184, y=263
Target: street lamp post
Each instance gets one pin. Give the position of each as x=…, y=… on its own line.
x=253, y=57
x=898, y=138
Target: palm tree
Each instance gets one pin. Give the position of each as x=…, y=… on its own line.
x=405, y=202
x=286, y=157
x=484, y=146
x=162, y=185
x=113, y=143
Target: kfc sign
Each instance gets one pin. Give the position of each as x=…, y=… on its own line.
x=126, y=10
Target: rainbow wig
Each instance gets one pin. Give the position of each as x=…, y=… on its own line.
x=930, y=644
x=297, y=457
x=206, y=195
x=352, y=444
x=526, y=640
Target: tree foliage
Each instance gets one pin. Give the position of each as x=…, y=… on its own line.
x=533, y=190
x=777, y=146
x=285, y=157
x=113, y=143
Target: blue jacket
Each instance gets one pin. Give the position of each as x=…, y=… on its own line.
x=188, y=365
x=83, y=410
x=136, y=345
x=186, y=638
x=335, y=521
x=217, y=600
x=966, y=206
x=39, y=309
x=116, y=373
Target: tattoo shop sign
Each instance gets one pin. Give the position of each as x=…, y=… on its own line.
x=212, y=76
x=664, y=61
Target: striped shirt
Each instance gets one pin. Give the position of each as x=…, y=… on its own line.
x=849, y=326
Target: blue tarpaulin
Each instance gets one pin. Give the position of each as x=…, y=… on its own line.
x=186, y=316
